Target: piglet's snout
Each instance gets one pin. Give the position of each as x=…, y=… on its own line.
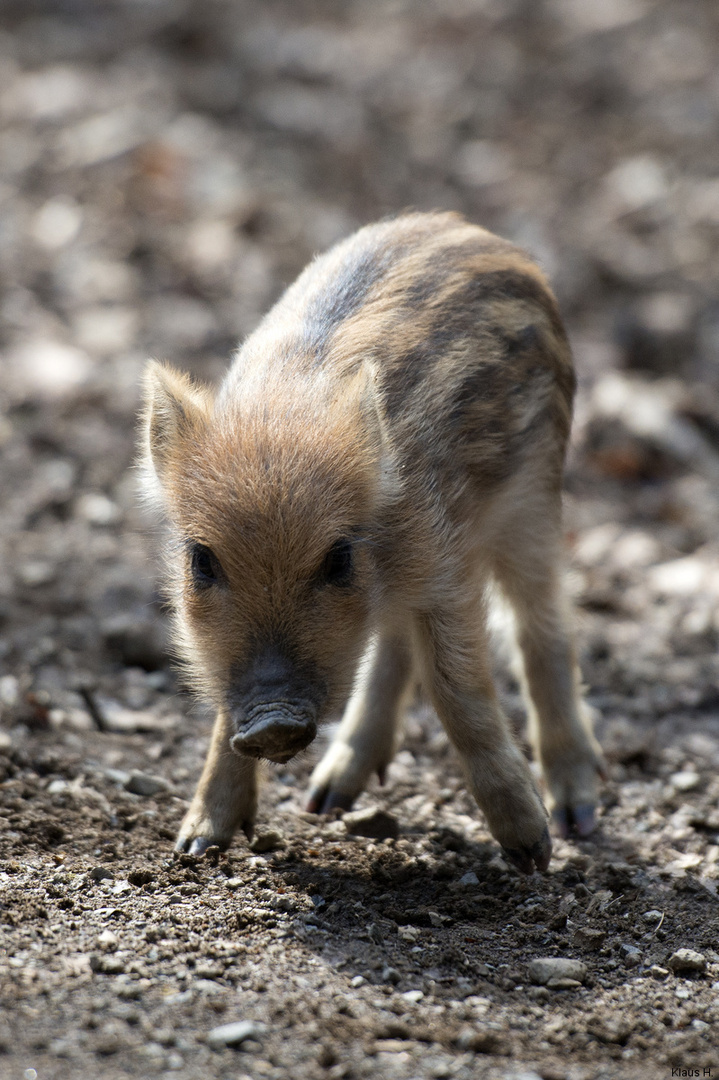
x=275, y=732
x=274, y=706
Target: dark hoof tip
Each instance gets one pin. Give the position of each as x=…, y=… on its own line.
x=538, y=855
x=200, y=845
x=584, y=819
x=324, y=801
x=519, y=858
x=561, y=823
x=337, y=801
x=580, y=820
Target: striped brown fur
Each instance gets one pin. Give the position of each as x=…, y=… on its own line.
x=387, y=445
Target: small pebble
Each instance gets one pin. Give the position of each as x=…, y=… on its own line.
x=357, y=981
x=373, y=823
x=685, y=780
x=438, y=920
x=100, y=873
x=234, y=1034
x=267, y=841
x=687, y=960
x=107, y=965
x=652, y=916
x=469, y=879
x=107, y=940
x=548, y=969
x=631, y=955
x=482, y=1040
x=139, y=783
x=391, y=975
x=35, y=573
x=658, y=972
x=587, y=938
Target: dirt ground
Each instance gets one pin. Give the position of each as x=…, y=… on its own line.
x=165, y=169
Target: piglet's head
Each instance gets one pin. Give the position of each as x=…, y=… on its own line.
x=275, y=495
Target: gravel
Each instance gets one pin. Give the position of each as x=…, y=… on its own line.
x=165, y=171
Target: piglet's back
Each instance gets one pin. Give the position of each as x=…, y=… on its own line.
x=460, y=328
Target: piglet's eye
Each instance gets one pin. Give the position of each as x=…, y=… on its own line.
x=338, y=565
x=204, y=566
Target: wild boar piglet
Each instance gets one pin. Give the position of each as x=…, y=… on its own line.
x=386, y=447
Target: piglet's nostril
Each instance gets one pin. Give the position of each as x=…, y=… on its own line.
x=275, y=733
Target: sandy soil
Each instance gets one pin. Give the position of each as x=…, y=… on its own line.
x=166, y=169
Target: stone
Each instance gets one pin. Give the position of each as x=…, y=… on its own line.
x=438, y=920
x=269, y=840
x=468, y=880
x=548, y=969
x=107, y=965
x=101, y=873
x=687, y=960
x=482, y=1040
x=631, y=955
x=107, y=940
x=585, y=937
x=234, y=1034
x=139, y=783
x=611, y=1029
x=36, y=572
x=685, y=780
x=373, y=823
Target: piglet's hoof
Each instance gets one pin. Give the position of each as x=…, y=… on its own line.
x=323, y=800
x=197, y=845
x=537, y=855
x=578, y=819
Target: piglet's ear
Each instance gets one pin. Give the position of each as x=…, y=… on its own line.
x=366, y=387
x=175, y=410
x=363, y=390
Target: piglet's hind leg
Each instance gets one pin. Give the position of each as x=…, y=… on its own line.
x=461, y=688
x=571, y=760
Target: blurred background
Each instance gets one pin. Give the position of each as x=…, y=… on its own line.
x=167, y=168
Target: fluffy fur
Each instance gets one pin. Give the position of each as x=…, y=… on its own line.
x=409, y=399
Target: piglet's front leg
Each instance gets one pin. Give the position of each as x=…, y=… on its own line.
x=226, y=796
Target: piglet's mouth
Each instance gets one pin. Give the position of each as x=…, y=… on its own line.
x=275, y=733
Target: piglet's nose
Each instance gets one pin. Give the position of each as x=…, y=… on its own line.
x=275, y=732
